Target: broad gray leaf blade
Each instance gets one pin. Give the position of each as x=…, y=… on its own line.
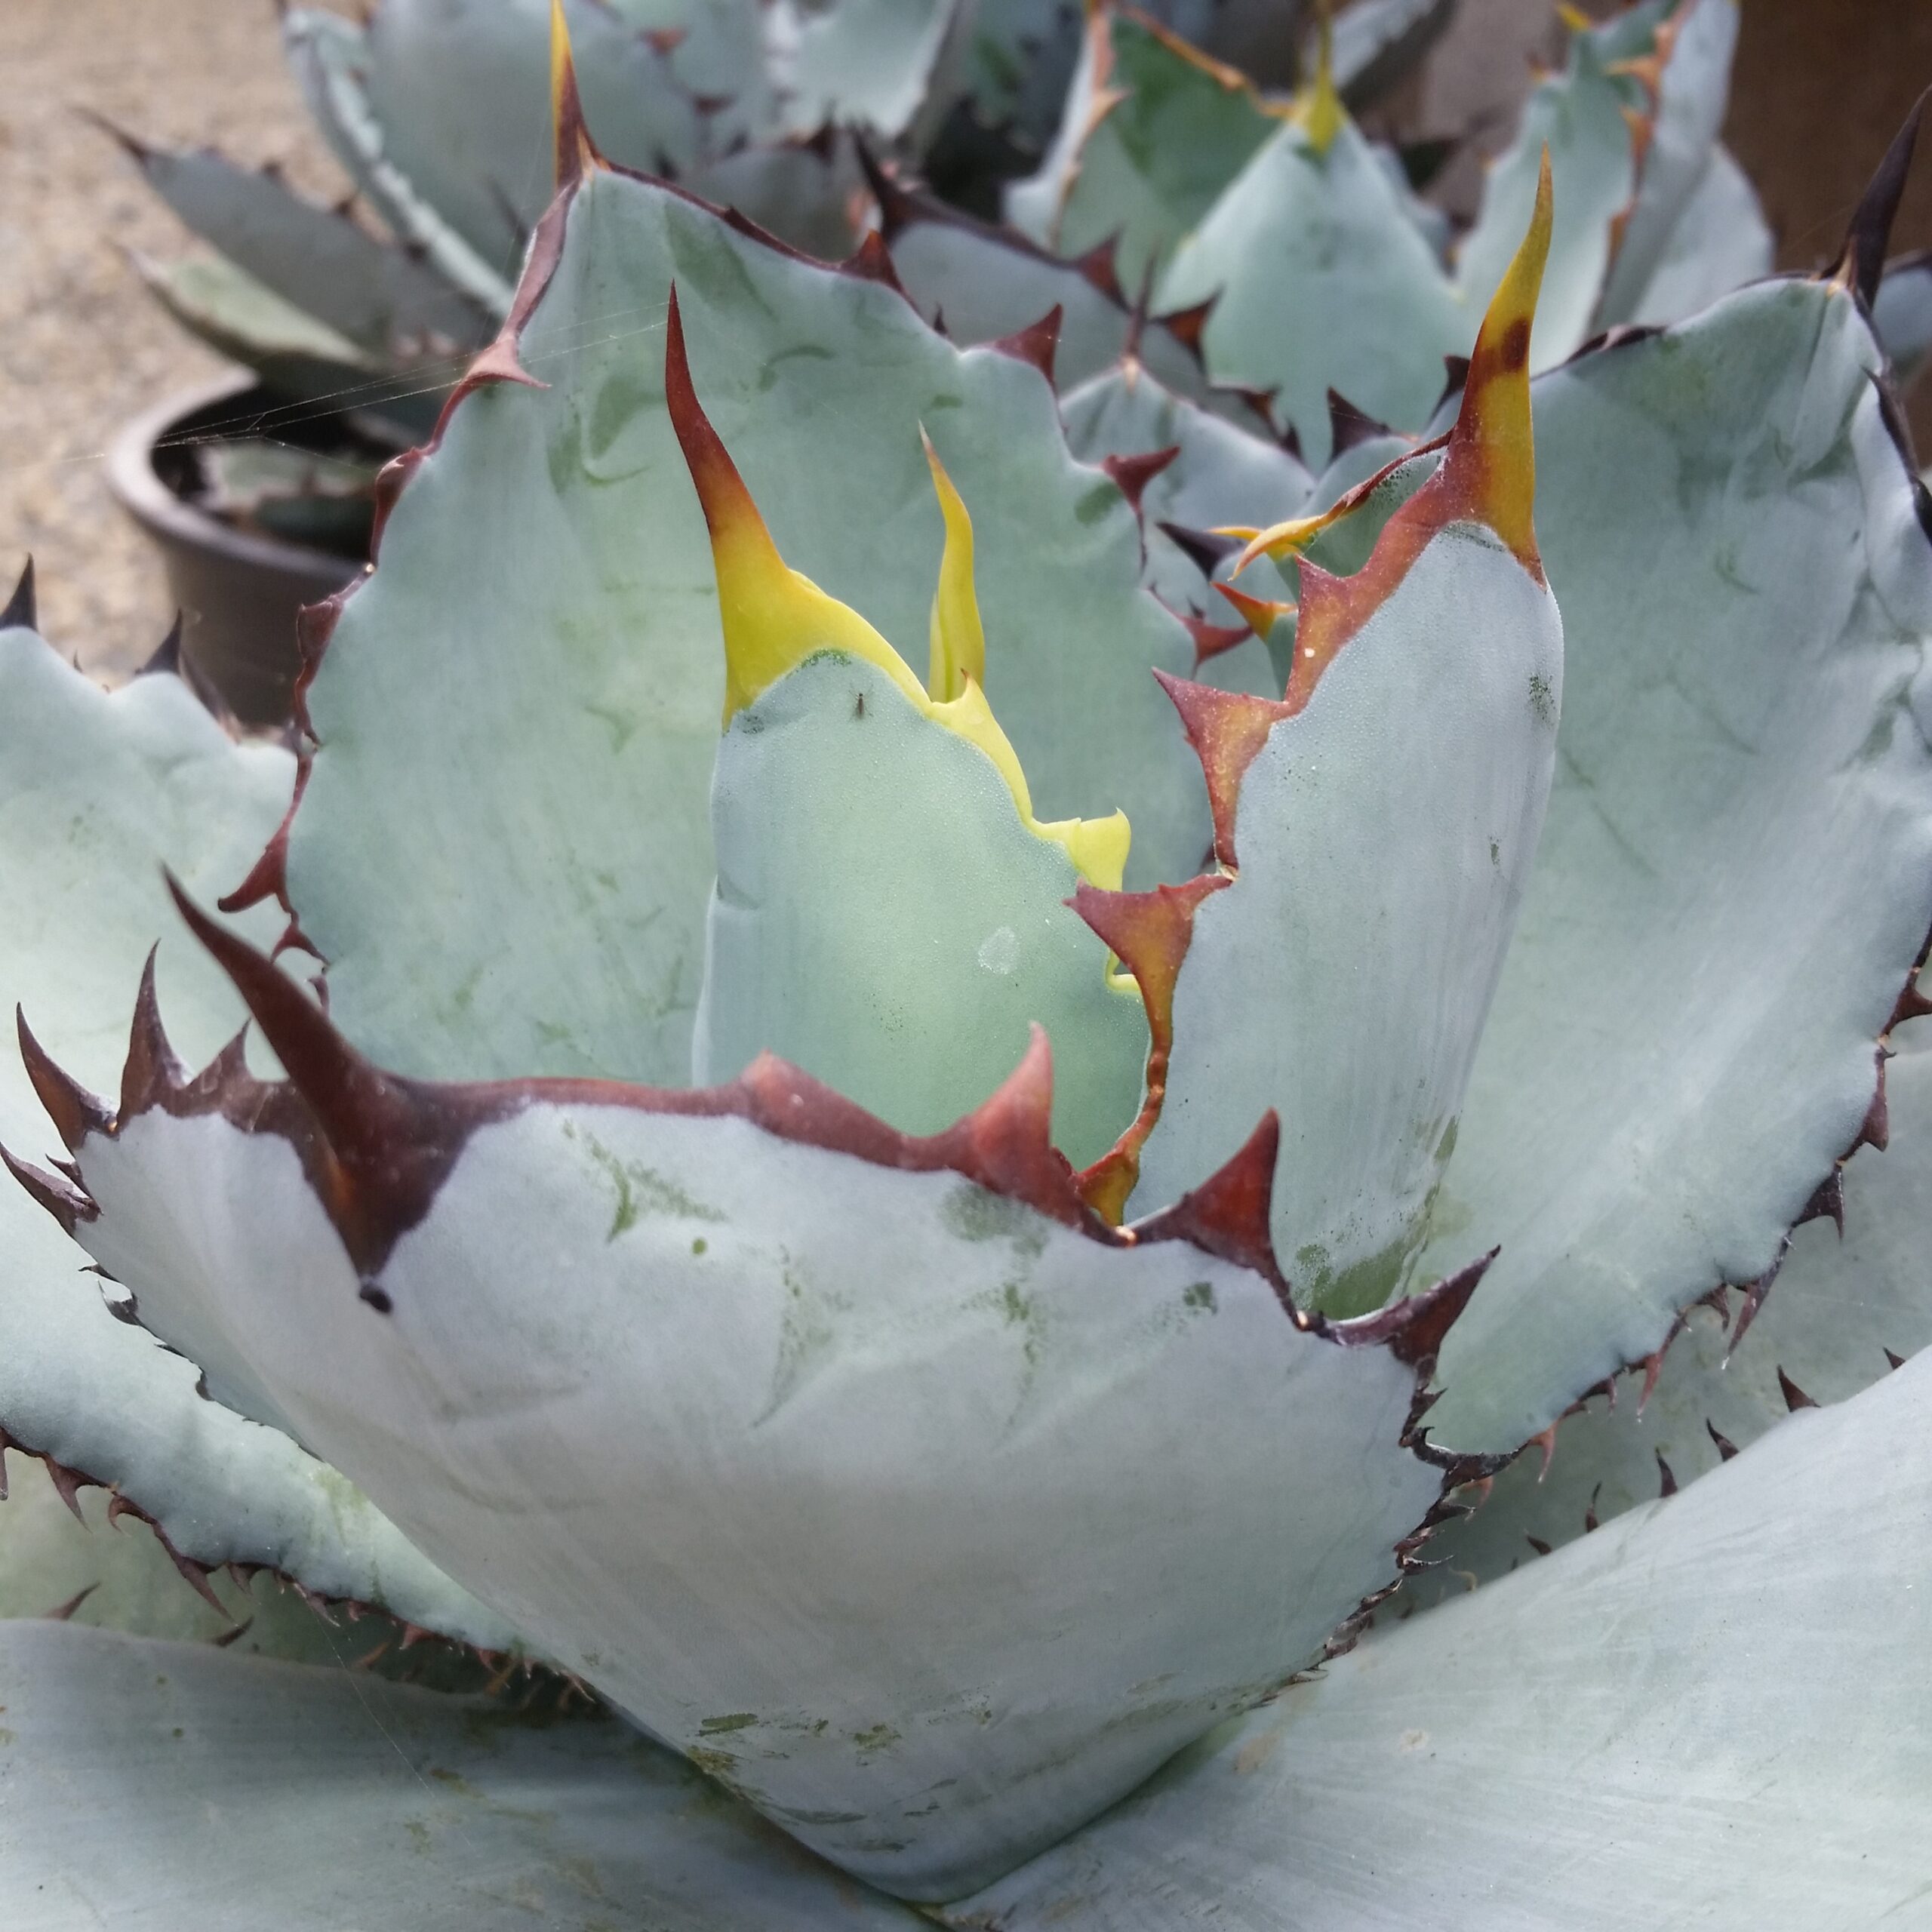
x=545, y=590
x=347, y=1800
x=96, y=791
x=1714, y=1710
x=751, y=1412
x=1379, y=822
x=1843, y=1308
x=1322, y=281
x=385, y=300
x=333, y=63
x=1720, y=241
x=1736, y=874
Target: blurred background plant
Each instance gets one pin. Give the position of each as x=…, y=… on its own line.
x=85, y=349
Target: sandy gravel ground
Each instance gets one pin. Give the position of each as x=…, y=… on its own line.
x=81, y=345
x=1821, y=84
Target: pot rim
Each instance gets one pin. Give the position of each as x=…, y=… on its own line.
x=140, y=491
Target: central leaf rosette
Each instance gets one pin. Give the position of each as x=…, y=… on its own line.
x=911, y=1421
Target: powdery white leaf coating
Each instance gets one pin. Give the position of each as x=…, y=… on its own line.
x=1383, y=836
x=883, y=919
x=1698, y=40
x=1735, y=875
x=383, y=299
x=1716, y=1710
x=219, y=1782
x=1842, y=1307
x=1721, y=241
x=520, y=708
x=1579, y=116
x=1324, y=282
x=983, y=284
x=96, y=791
x=927, y=1524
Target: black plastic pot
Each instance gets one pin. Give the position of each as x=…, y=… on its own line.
x=238, y=592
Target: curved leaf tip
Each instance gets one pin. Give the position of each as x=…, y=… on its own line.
x=576, y=153
x=774, y=618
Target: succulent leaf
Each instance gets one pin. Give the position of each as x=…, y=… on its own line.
x=333, y=62
x=1721, y=241
x=94, y=789
x=296, y=356
x=1843, y=1306
x=1560, y=1748
x=1740, y=827
x=1154, y=131
x=459, y=90
x=1581, y=118
x=1321, y=282
x=755, y=1298
x=1383, y=832
x=1686, y=80
x=985, y=284
x=390, y=305
x=1218, y=473
x=882, y=65
x=230, y=1780
x=881, y=879
x=506, y=762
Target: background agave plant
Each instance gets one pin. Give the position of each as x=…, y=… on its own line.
x=1291, y=254
x=439, y=114
x=926, y=1487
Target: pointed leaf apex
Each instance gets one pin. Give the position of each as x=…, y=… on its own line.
x=54, y=1193
x=1318, y=107
x=772, y=618
x=1188, y=326
x=1006, y=1143
x=1794, y=1397
x=21, y=612
x=1490, y=466
x=165, y=659
x=957, y=637
x=1210, y=640
x=1096, y=267
x=576, y=153
x=1861, y=263
x=153, y=1067
x=872, y=261
x=1036, y=344
x=75, y=1113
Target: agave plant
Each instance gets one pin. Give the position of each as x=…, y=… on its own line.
x=439, y=112
x=948, y=1317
